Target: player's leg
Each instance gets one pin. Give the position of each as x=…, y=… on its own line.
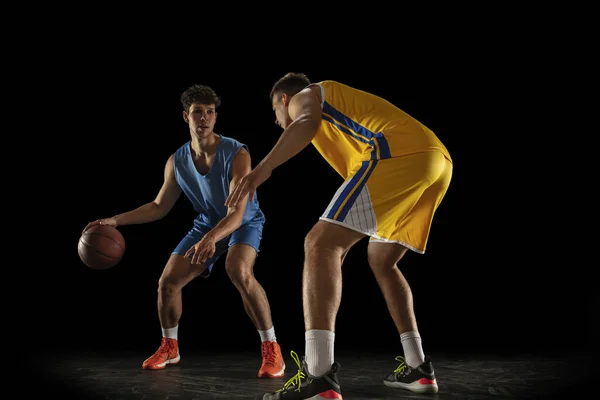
x=325, y=247
x=243, y=251
x=383, y=259
x=342, y=225
x=415, y=371
x=422, y=180
x=239, y=265
x=178, y=272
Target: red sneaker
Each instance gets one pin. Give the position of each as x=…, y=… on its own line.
x=272, y=361
x=167, y=353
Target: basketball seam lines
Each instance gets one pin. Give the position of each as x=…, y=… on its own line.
x=99, y=252
x=109, y=238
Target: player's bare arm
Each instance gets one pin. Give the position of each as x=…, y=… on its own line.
x=206, y=247
x=151, y=211
x=240, y=167
x=305, y=111
x=160, y=206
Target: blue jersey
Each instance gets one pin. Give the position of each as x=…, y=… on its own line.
x=208, y=192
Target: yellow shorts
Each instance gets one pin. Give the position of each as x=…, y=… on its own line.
x=393, y=200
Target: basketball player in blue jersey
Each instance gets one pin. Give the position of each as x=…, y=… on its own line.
x=205, y=169
x=396, y=172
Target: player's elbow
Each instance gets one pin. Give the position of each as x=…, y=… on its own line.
x=160, y=210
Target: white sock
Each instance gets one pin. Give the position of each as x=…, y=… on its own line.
x=268, y=335
x=319, y=351
x=413, y=351
x=170, y=333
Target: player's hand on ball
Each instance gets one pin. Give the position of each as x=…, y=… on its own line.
x=105, y=221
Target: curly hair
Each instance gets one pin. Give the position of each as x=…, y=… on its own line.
x=199, y=94
x=291, y=83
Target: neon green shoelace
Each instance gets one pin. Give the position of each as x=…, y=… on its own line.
x=402, y=365
x=296, y=379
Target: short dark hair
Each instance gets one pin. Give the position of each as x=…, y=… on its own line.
x=199, y=94
x=291, y=83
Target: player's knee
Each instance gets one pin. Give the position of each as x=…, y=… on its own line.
x=166, y=285
x=316, y=244
x=240, y=274
x=309, y=241
x=313, y=243
x=380, y=263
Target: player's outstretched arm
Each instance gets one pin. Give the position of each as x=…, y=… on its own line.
x=152, y=211
x=305, y=112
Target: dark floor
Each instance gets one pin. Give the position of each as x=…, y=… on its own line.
x=98, y=375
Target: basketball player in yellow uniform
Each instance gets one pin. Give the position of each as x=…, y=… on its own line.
x=396, y=172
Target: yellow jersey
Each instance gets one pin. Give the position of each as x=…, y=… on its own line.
x=357, y=126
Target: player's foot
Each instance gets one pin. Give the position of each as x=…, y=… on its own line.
x=417, y=380
x=167, y=353
x=272, y=361
x=304, y=386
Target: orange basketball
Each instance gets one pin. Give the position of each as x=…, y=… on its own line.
x=101, y=247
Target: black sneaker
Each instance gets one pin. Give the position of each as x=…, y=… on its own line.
x=417, y=380
x=304, y=386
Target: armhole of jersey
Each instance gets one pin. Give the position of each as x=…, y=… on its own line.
x=237, y=151
x=322, y=93
x=240, y=147
x=174, y=166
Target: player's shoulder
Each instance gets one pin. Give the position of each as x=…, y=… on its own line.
x=180, y=152
x=327, y=86
x=232, y=147
x=327, y=83
x=183, y=147
x=230, y=142
x=317, y=86
x=178, y=157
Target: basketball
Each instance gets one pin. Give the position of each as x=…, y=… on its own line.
x=101, y=247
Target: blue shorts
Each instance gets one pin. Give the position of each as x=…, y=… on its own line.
x=250, y=234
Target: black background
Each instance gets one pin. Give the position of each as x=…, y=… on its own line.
x=499, y=274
